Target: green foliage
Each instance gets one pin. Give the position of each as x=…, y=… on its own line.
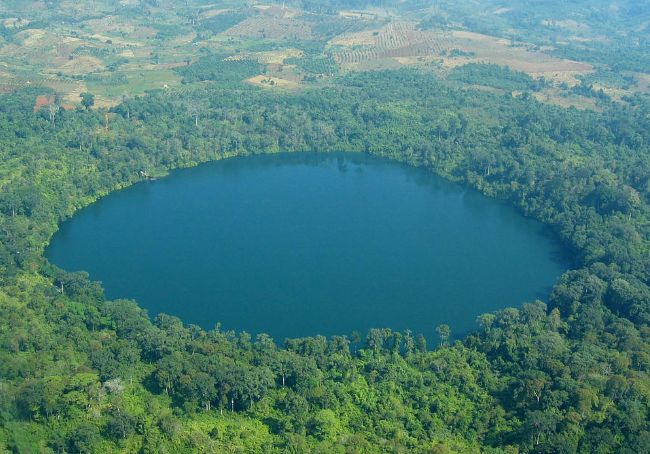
x=608, y=78
x=494, y=76
x=221, y=22
x=225, y=69
x=83, y=374
x=314, y=64
x=87, y=100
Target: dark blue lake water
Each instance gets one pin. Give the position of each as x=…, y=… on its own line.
x=304, y=244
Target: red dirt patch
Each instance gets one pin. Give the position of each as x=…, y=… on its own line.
x=42, y=101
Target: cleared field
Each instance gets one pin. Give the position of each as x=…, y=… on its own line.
x=73, y=96
x=520, y=58
x=642, y=81
x=362, y=38
x=357, y=14
x=45, y=52
x=268, y=26
x=137, y=82
x=63, y=88
x=207, y=14
x=115, y=41
x=119, y=27
x=556, y=97
x=31, y=37
x=15, y=22
x=276, y=57
x=81, y=65
x=272, y=82
x=111, y=54
x=182, y=40
x=404, y=44
x=395, y=40
x=567, y=24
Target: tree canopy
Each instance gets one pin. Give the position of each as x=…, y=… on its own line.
x=79, y=373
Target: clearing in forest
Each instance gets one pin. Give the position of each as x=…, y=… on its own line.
x=277, y=57
x=272, y=82
x=522, y=58
x=559, y=98
x=268, y=26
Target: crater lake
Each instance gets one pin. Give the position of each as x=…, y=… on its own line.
x=303, y=244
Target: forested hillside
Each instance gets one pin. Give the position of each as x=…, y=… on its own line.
x=543, y=105
x=79, y=373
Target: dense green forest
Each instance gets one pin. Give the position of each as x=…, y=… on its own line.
x=98, y=95
x=79, y=373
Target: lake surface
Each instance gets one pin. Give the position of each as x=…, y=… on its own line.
x=305, y=244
